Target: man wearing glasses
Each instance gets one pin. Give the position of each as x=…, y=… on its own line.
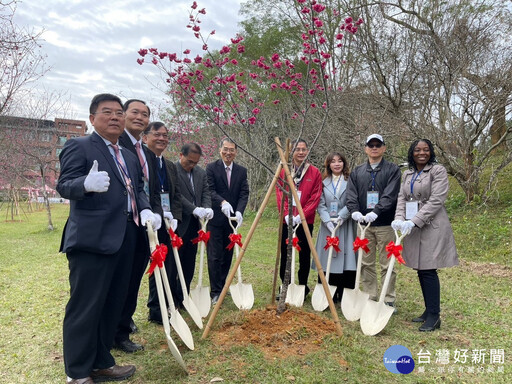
x=372, y=193
x=230, y=193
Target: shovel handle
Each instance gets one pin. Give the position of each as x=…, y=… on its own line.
x=362, y=229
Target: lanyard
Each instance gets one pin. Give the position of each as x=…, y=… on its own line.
x=374, y=174
x=122, y=167
x=413, y=180
x=161, y=177
x=335, y=187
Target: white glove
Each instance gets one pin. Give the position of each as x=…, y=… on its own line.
x=330, y=226
x=358, y=216
x=407, y=227
x=209, y=213
x=339, y=221
x=239, y=218
x=155, y=219
x=199, y=212
x=227, y=209
x=370, y=217
x=174, y=224
x=96, y=181
x=168, y=216
x=296, y=220
x=397, y=225
x=286, y=219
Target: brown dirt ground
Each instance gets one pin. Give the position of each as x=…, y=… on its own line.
x=293, y=333
x=487, y=269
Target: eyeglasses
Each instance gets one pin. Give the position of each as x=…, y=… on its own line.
x=377, y=145
x=158, y=135
x=231, y=150
x=110, y=113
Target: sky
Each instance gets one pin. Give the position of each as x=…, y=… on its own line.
x=91, y=46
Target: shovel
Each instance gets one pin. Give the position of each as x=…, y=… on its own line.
x=376, y=314
x=353, y=300
x=242, y=294
x=318, y=299
x=189, y=305
x=295, y=293
x=201, y=295
x=177, y=322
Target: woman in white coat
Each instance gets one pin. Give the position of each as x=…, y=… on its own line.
x=333, y=206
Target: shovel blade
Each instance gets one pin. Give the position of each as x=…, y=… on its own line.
x=180, y=326
x=318, y=299
x=295, y=295
x=352, y=303
x=242, y=295
x=175, y=352
x=375, y=316
x=201, y=298
x=192, y=310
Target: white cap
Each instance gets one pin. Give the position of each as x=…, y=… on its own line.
x=376, y=137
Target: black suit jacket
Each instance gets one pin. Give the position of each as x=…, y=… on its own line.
x=97, y=221
x=237, y=194
x=200, y=194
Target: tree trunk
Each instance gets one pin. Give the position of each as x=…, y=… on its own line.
x=46, y=199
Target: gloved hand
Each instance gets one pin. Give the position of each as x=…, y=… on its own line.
x=296, y=220
x=227, y=209
x=96, y=181
x=339, y=221
x=155, y=219
x=407, y=226
x=199, y=212
x=397, y=225
x=168, y=216
x=330, y=226
x=370, y=217
x=286, y=219
x=239, y=219
x=358, y=216
x=174, y=224
x=209, y=213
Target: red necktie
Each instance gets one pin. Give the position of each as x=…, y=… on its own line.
x=141, y=159
x=128, y=183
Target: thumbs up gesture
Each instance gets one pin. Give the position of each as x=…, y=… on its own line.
x=96, y=181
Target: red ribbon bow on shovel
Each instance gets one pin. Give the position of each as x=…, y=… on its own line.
x=332, y=242
x=235, y=238
x=395, y=250
x=295, y=243
x=157, y=257
x=203, y=236
x=176, y=241
x=361, y=243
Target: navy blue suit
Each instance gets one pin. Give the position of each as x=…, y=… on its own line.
x=237, y=194
x=98, y=240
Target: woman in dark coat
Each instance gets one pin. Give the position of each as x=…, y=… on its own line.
x=420, y=210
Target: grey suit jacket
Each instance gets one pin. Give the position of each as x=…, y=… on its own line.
x=200, y=194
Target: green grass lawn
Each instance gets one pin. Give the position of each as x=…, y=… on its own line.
x=476, y=314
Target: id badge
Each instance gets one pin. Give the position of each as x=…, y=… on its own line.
x=294, y=203
x=333, y=209
x=411, y=209
x=146, y=186
x=372, y=199
x=165, y=201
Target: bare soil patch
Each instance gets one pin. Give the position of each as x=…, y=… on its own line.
x=293, y=333
x=487, y=269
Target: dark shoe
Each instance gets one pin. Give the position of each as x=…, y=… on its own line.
x=128, y=346
x=432, y=323
x=157, y=319
x=391, y=304
x=420, y=319
x=85, y=380
x=115, y=373
x=133, y=327
x=215, y=299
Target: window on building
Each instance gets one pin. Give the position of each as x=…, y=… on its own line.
x=62, y=140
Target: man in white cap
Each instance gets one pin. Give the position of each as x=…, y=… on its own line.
x=372, y=193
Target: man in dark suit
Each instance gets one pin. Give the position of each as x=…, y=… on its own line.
x=230, y=194
x=108, y=205
x=197, y=202
x=136, y=120
x=156, y=137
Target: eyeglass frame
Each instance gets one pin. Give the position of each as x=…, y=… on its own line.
x=376, y=145
x=110, y=113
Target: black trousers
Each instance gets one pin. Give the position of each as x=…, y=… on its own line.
x=140, y=262
x=219, y=258
x=304, y=254
x=98, y=289
x=431, y=289
x=347, y=279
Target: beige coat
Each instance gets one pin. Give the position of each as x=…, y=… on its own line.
x=431, y=244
